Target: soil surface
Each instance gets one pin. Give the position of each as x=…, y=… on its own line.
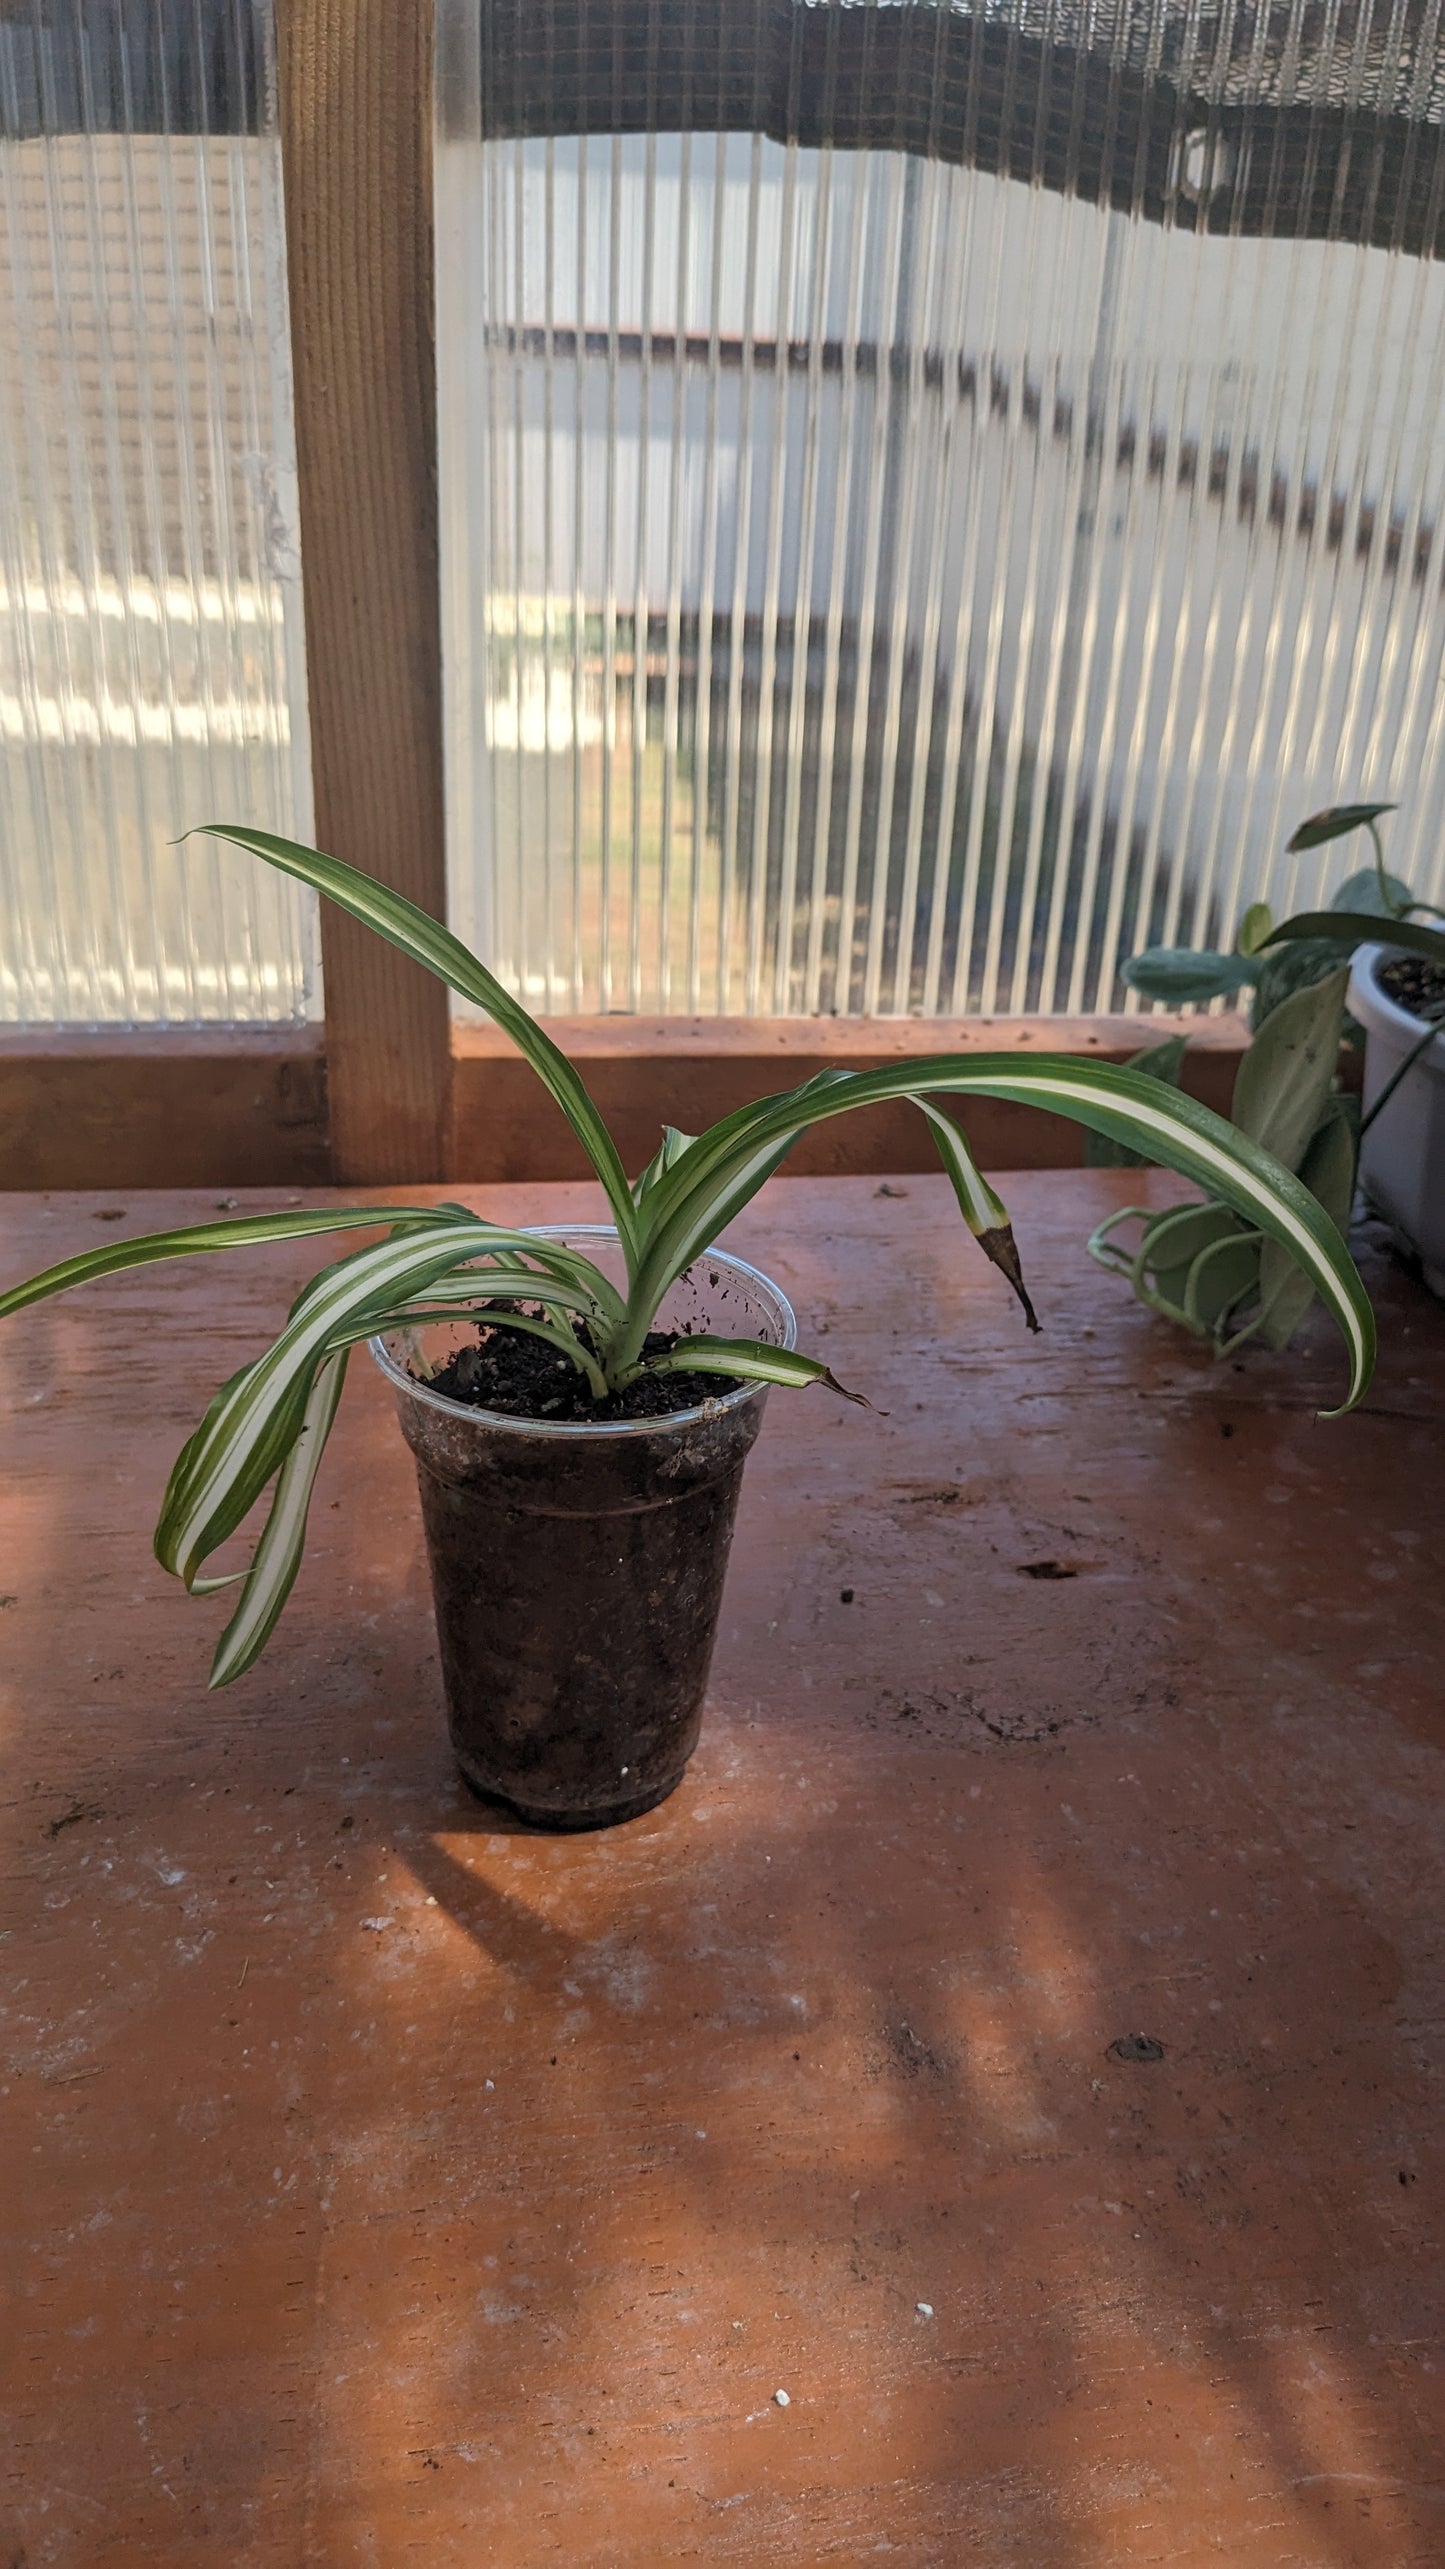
x=1415, y=985
x=518, y=1376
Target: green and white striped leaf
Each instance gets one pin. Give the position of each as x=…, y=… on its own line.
x=277, y=1557
x=563, y=1340
x=493, y=1269
x=414, y=932
x=985, y=1213
x=245, y=1438
x=685, y=1209
x=669, y=1149
x=722, y=1203
x=252, y=1231
x=257, y=1230
x=752, y=1359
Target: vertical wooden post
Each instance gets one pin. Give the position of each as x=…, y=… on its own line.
x=356, y=123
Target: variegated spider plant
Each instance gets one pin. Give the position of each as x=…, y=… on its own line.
x=268, y=1425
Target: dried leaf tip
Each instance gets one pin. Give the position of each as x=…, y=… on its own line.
x=830, y=1378
x=1000, y=1245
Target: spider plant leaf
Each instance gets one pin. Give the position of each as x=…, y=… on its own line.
x=180, y=1469
x=985, y=1213
x=742, y=1185
x=1360, y=927
x=253, y=1230
x=1334, y=823
x=750, y=1358
x=415, y=933
x=726, y=1165
x=1160, y=1061
x=277, y=1557
x=669, y=1149
x=555, y=1264
x=1181, y=975
x=284, y=1397
x=1290, y=1067
x=469, y=1292
x=248, y=1432
x=564, y=1340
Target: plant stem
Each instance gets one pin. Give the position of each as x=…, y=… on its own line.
x=1392, y=909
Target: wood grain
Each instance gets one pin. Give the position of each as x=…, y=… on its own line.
x=690, y=1070
x=224, y=1107
x=247, y=1106
x=387, y=2186
x=356, y=111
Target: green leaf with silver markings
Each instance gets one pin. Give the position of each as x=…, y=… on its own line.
x=1328, y=1170
x=1183, y=976
x=1290, y=1068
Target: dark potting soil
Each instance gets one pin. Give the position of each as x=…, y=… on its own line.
x=1415, y=985
x=519, y=1376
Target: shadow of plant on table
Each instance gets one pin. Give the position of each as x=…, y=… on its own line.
x=1206, y=1266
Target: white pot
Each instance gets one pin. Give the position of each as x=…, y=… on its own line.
x=1402, y=1157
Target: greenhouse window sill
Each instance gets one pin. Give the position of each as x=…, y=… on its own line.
x=247, y=1106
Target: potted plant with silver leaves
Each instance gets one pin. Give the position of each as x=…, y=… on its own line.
x=581, y=1400
x=1204, y=1265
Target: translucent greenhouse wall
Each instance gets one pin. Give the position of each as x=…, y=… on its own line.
x=152, y=671
x=875, y=584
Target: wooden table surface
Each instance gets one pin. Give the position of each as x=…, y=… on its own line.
x=385, y=2184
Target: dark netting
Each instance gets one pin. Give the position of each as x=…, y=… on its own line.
x=131, y=66
x=1314, y=122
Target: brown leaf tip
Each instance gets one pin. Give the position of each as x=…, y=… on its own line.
x=859, y=1398
x=1000, y=1245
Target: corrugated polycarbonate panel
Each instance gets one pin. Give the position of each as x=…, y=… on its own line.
x=911, y=579
x=152, y=671
x=906, y=580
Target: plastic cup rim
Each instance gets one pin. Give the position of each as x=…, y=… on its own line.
x=496, y=1420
